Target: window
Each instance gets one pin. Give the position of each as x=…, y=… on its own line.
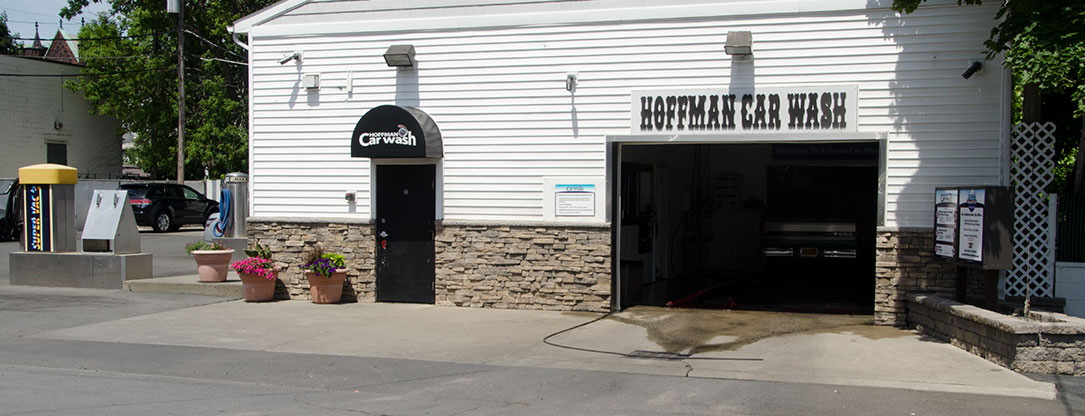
x=172, y=192
x=190, y=193
x=56, y=153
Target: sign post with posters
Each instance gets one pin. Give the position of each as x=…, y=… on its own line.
x=974, y=227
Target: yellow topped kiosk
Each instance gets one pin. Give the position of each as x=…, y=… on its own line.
x=48, y=208
x=110, y=254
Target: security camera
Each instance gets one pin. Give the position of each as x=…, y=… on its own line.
x=972, y=69
x=290, y=57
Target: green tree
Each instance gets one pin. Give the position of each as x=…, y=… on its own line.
x=8, y=45
x=1043, y=42
x=131, y=74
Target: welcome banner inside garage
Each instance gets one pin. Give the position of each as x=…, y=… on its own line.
x=817, y=109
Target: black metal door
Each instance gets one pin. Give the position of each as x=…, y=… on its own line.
x=405, y=225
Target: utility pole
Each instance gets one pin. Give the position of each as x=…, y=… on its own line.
x=180, y=9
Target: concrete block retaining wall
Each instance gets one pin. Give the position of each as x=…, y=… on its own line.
x=511, y=266
x=1049, y=343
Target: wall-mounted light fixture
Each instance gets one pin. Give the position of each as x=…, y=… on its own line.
x=571, y=80
x=290, y=57
x=739, y=43
x=973, y=68
x=400, y=56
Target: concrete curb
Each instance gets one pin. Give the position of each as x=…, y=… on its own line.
x=187, y=285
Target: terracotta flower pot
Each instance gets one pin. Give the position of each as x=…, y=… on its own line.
x=326, y=289
x=258, y=289
x=212, y=265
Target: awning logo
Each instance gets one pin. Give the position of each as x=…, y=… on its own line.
x=403, y=137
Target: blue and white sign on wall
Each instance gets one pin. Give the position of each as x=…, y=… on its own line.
x=574, y=200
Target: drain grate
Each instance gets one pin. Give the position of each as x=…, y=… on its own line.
x=657, y=355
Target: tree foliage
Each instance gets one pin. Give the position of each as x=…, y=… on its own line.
x=8, y=45
x=131, y=74
x=1043, y=42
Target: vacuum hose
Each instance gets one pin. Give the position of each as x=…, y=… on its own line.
x=224, y=214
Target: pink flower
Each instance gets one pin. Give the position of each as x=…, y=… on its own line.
x=256, y=266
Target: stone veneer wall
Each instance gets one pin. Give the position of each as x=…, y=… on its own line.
x=290, y=239
x=1050, y=343
x=512, y=266
x=524, y=266
x=905, y=264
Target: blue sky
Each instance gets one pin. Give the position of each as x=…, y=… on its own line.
x=23, y=13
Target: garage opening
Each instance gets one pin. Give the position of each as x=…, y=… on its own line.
x=780, y=226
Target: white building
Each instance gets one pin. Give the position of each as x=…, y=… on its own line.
x=45, y=122
x=587, y=159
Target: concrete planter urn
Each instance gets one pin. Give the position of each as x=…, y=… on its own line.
x=212, y=265
x=258, y=276
x=326, y=273
x=326, y=289
x=257, y=288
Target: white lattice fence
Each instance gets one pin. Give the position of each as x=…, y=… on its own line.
x=1033, y=248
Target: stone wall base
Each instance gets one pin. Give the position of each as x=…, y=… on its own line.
x=905, y=264
x=509, y=266
x=524, y=267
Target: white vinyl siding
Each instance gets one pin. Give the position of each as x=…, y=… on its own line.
x=498, y=97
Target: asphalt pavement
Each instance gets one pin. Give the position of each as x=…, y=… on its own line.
x=91, y=351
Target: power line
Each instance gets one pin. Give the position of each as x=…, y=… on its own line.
x=225, y=60
x=124, y=57
x=24, y=11
x=28, y=21
x=83, y=75
x=103, y=38
x=213, y=44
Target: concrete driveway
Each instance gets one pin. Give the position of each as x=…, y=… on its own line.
x=767, y=346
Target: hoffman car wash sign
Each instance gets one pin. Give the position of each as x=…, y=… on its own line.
x=390, y=131
x=817, y=109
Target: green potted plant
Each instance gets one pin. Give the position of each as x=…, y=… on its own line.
x=212, y=260
x=258, y=274
x=326, y=273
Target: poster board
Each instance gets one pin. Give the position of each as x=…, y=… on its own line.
x=973, y=225
x=945, y=223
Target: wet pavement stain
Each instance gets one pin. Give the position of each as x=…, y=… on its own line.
x=693, y=331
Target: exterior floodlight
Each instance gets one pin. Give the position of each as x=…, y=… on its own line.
x=739, y=43
x=290, y=57
x=400, y=56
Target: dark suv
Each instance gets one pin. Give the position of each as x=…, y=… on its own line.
x=168, y=206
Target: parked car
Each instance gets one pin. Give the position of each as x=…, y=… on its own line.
x=11, y=221
x=168, y=206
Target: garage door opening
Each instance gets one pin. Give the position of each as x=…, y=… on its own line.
x=784, y=226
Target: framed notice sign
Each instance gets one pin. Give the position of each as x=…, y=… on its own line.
x=971, y=224
x=945, y=222
x=574, y=200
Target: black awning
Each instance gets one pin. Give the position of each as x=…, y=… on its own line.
x=390, y=131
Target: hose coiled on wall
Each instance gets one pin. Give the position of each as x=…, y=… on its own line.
x=224, y=214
